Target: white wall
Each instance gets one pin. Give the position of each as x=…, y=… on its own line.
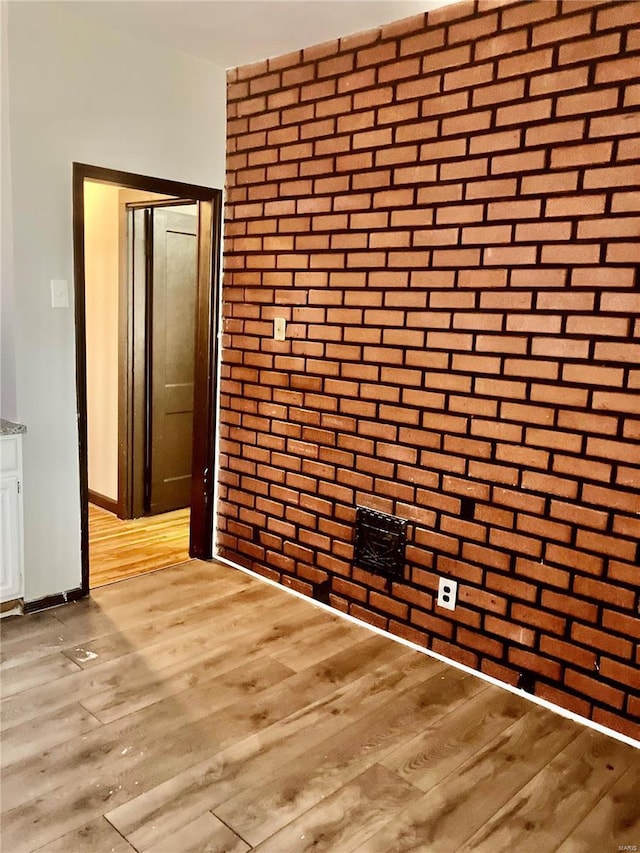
x=81, y=93
x=102, y=270
x=8, y=405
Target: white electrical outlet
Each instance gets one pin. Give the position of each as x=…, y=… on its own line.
x=447, y=593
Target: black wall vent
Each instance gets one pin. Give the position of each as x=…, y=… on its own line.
x=380, y=542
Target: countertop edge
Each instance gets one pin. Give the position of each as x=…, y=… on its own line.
x=11, y=428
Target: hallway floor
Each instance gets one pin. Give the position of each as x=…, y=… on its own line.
x=123, y=549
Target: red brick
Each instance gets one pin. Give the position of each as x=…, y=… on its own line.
x=611, y=176
x=516, y=633
x=559, y=131
x=588, y=49
x=550, y=182
x=480, y=643
x=469, y=76
x=520, y=15
x=606, y=592
x=592, y=687
x=625, y=253
x=497, y=93
x=570, y=605
x=632, y=95
x=623, y=202
x=617, y=402
x=618, y=125
x=533, y=60
x=445, y=104
x=416, y=89
x=577, y=155
x=619, y=16
x=617, y=69
x=525, y=112
x=563, y=699
x=561, y=29
x=422, y=42
x=535, y=663
x=628, y=626
x=627, y=149
x=567, y=652
x=602, y=640
x=432, y=624
x=618, y=722
x=466, y=123
x=468, y=168
x=559, y=81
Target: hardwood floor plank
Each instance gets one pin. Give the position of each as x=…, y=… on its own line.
x=126, y=741
x=18, y=628
x=161, y=810
x=268, y=804
x=614, y=822
x=206, y=617
x=334, y=634
x=36, y=674
x=205, y=835
x=45, y=638
x=557, y=798
x=458, y=805
x=169, y=748
x=111, y=674
x=37, y=736
x=168, y=669
x=95, y=837
x=344, y=819
x=443, y=746
x=166, y=591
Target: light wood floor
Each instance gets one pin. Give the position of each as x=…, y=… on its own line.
x=123, y=549
x=200, y=709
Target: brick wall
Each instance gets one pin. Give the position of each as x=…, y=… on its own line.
x=446, y=210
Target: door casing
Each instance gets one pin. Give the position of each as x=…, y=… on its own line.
x=205, y=385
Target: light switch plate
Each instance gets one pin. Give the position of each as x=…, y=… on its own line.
x=59, y=293
x=279, y=328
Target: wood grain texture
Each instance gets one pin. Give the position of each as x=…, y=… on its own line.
x=354, y=811
x=98, y=836
x=123, y=549
x=614, y=822
x=207, y=834
x=557, y=799
x=199, y=709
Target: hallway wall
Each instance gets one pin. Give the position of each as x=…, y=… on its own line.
x=102, y=261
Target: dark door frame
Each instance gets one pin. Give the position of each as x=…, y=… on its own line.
x=205, y=391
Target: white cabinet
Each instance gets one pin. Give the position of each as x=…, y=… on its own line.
x=11, y=553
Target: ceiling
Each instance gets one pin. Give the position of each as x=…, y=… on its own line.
x=237, y=32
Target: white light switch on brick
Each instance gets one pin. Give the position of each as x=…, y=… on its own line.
x=59, y=293
x=279, y=328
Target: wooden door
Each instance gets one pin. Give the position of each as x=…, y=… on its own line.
x=172, y=304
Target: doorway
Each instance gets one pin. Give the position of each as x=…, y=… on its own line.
x=171, y=406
